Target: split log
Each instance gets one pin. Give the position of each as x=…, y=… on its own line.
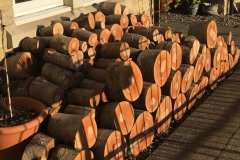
x=57, y=75
x=108, y=8
x=123, y=81
x=47, y=92
x=143, y=18
x=85, y=35
x=117, y=116
x=65, y=152
x=198, y=64
x=120, y=19
x=83, y=46
x=208, y=60
x=135, y=40
x=187, y=71
x=56, y=28
x=142, y=133
x=212, y=75
x=124, y=9
x=80, y=110
x=202, y=83
x=173, y=84
x=68, y=27
x=102, y=34
x=97, y=74
x=87, y=65
x=99, y=16
x=231, y=47
x=216, y=54
x=149, y=98
x=86, y=97
x=99, y=25
x=155, y=65
x=175, y=51
x=115, y=50
x=104, y=62
x=116, y=31
x=132, y=19
x=151, y=33
x=179, y=106
x=77, y=78
x=191, y=95
x=64, y=44
x=85, y=21
x=110, y=144
x=39, y=147
x=21, y=65
x=205, y=32
x=134, y=53
x=167, y=33
x=75, y=130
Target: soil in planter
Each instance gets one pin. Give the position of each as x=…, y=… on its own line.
x=20, y=116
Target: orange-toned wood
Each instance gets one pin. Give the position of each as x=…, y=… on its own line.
x=213, y=77
x=34, y=45
x=231, y=47
x=216, y=54
x=85, y=21
x=166, y=32
x=99, y=16
x=99, y=25
x=151, y=33
x=179, y=106
x=198, y=64
x=83, y=46
x=85, y=35
x=97, y=74
x=80, y=110
x=108, y=8
x=116, y=31
x=103, y=35
x=187, y=71
x=56, y=28
x=143, y=18
x=124, y=9
x=120, y=19
x=202, y=83
x=208, y=60
x=68, y=26
x=236, y=56
x=132, y=19
x=191, y=95
x=135, y=40
x=220, y=41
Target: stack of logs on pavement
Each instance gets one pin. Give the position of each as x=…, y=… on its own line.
x=112, y=80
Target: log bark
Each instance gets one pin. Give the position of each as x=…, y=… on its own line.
x=85, y=35
x=155, y=65
x=193, y=43
x=87, y=65
x=167, y=33
x=56, y=28
x=34, y=45
x=116, y=31
x=103, y=35
x=99, y=16
x=151, y=33
x=120, y=19
x=134, y=53
x=77, y=78
x=39, y=147
x=99, y=25
x=90, y=53
x=143, y=18
x=187, y=76
x=47, y=92
x=216, y=54
x=85, y=21
x=83, y=46
x=75, y=130
x=213, y=77
x=177, y=36
x=187, y=54
x=21, y=65
x=68, y=27
x=80, y=110
x=132, y=19
x=108, y=8
x=46, y=39
x=135, y=40
x=191, y=95
x=202, y=83
x=102, y=63
x=53, y=110
x=227, y=36
x=123, y=81
x=97, y=74
x=179, y=106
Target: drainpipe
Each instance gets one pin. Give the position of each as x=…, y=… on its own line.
x=231, y=7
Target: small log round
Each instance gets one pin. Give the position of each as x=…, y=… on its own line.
x=53, y=110
x=220, y=41
x=85, y=35
x=85, y=21
x=167, y=33
x=83, y=46
x=21, y=65
x=80, y=110
x=187, y=55
x=213, y=75
x=160, y=38
x=177, y=36
x=155, y=65
x=142, y=133
x=203, y=82
x=187, y=71
x=149, y=98
x=104, y=62
x=56, y=28
x=90, y=53
x=103, y=35
x=77, y=60
x=108, y=8
x=124, y=9
x=97, y=74
x=123, y=81
x=81, y=96
x=193, y=43
x=117, y=116
x=75, y=130
x=120, y=19
x=199, y=64
x=76, y=79
x=99, y=16
x=143, y=18
x=231, y=47
x=99, y=25
x=132, y=19
x=208, y=60
x=51, y=95
x=110, y=144
x=179, y=106
x=191, y=95
x=116, y=31
x=151, y=33
x=135, y=40
x=223, y=70
x=68, y=27
x=216, y=54
x=163, y=115
x=34, y=45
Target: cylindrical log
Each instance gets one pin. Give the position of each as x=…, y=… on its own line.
x=231, y=47
x=199, y=64
x=236, y=56
x=90, y=53
x=187, y=55
x=77, y=78
x=85, y=21
x=187, y=71
x=123, y=81
x=231, y=62
x=21, y=65
x=116, y=31
x=220, y=41
x=202, y=83
x=143, y=18
x=179, y=106
x=87, y=65
x=175, y=51
x=97, y=74
x=212, y=75
x=155, y=65
x=85, y=35
x=56, y=28
x=177, y=36
x=46, y=40
x=149, y=98
x=99, y=16
x=142, y=133
x=205, y=32
x=80, y=110
x=132, y=19
x=68, y=26
x=191, y=95
x=134, y=53
x=38, y=147
x=110, y=144
x=103, y=35
x=57, y=75
x=99, y=25
x=163, y=115
x=166, y=32
x=227, y=36
x=208, y=60
x=81, y=96
x=108, y=8
x=193, y=43
x=124, y=9
x=135, y=40
x=104, y=62
x=120, y=19
x=117, y=116
x=52, y=94
x=34, y=45
x=53, y=110
x=216, y=54
x=224, y=56
x=83, y=46
x=75, y=130
x=173, y=84
x=115, y=50
x=151, y=33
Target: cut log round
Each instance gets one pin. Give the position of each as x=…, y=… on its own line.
x=177, y=36
x=163, y=115
x=143, y=18
x=34, y=45
x=56, y=28
x=104, y=62
x=193, y=44
x=80, y=110
x=99, y=25
x=179, y=106
x=212, y=75
x=227, y=36
x=175, y=51
x=97, y=74
x=149, y=98
x=135, y=40
x=110, y=144
x=134, y=53
x=208, y=60
x=216, y=54
x=120, y=19
x=142, y=133
x=83, y=46
x=108, y=8
x=231, y=62
x=236, y=56
x=155, y=65
x=103, y=35
x=167, y=33
x=115, y=50
x=231, y=47
x=132, y=19
x=123, y=81
x=223, y=70
x=53, y=110
x=75, y=130
x=86, y=97
x=64, y=44
x=77, y=78
x=124, y=9
x=21, y=65
x=187, y=71
x=51, y=95
x=173, y=84
x=99, y=16
x=151, y=33
x=38, y=147
x=87, y=65
x=85, y=35
x=187, y=54
x=117, y=116
x=68, y=26
x=203, y=82
x=160, y=38
x=205, y=32
x=85, y=21
x=220, y=41
x=77, y=60
x=224, y=56
x=116, y=31
x=90, y=53
x=57, y=75
x=199, y=64
x=66, y=152
x=191, y=95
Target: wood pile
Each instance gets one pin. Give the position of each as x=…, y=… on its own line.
x=118, y=79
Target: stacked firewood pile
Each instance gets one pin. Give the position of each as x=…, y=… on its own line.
x=112, y=80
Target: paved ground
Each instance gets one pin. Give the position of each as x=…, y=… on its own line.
x=212, y=131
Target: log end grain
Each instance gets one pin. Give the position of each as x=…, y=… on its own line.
x=187, y=78
x=179, y=106
x=208, y=60
x=77, y=60
x=211, y=34
x=153, y=97
x=198, y=68
x=202, y=86
x=191, y=95
x=176, y=55
x=175, y=84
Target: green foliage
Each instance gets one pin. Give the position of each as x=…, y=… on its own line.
x=193, y=1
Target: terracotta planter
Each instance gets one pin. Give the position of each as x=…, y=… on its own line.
x=12, y=137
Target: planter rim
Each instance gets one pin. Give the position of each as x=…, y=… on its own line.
x=41, y=108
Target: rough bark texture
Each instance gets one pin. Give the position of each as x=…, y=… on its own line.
x=85, y=21
x=85, y=35
x=80, y=110
x=135, y=40
x=120, y=19
x=56, y=28
x=97, y=74
x=34, y=45
x=109, y=8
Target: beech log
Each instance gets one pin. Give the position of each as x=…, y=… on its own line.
x=80, y=110
x=151, y=33
x=85, y=35
x=103, y=35
x=143, y=18
x=132, y=19
x=104, y=62
x=87, y=65
x=202, y=83
x=83, y=46
x=208, y=60
x=135, y=40
x=68, y=27
x=231, y=47
x=77, y=78
x=99, y=16
x=124, y=9
x=187, y=71
x=216, y=54
x=97, y=74
x=198, y=64
x=99, y=25
x=34, y=45
x=116, y=31
x=134, y=53
x=120, y=19
x=191, y=95
x=56, y=28
x=179, y=106
x=167, y=33
x=227, y=36
x=108, y=8
x=213, y=77
x=236, y=56
x=85, y=21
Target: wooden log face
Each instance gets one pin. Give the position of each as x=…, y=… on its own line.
x=187, y=72
x=220, y=41
x=99, y=16
x=208, y=60
x=236, y=57
x=176, y=56
x=202, y=86
x=214, y=74
x=191, y=95
x=216, y=54
x=81, y=110
x=108, y=8
x=211, y=34
x=163, y=114
x=56, y=28
x=152, y=99
x=231, y=62
x=132, y=20
x=77, y=60
x=179, y=106
x=175, y=84
x=198, y=68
